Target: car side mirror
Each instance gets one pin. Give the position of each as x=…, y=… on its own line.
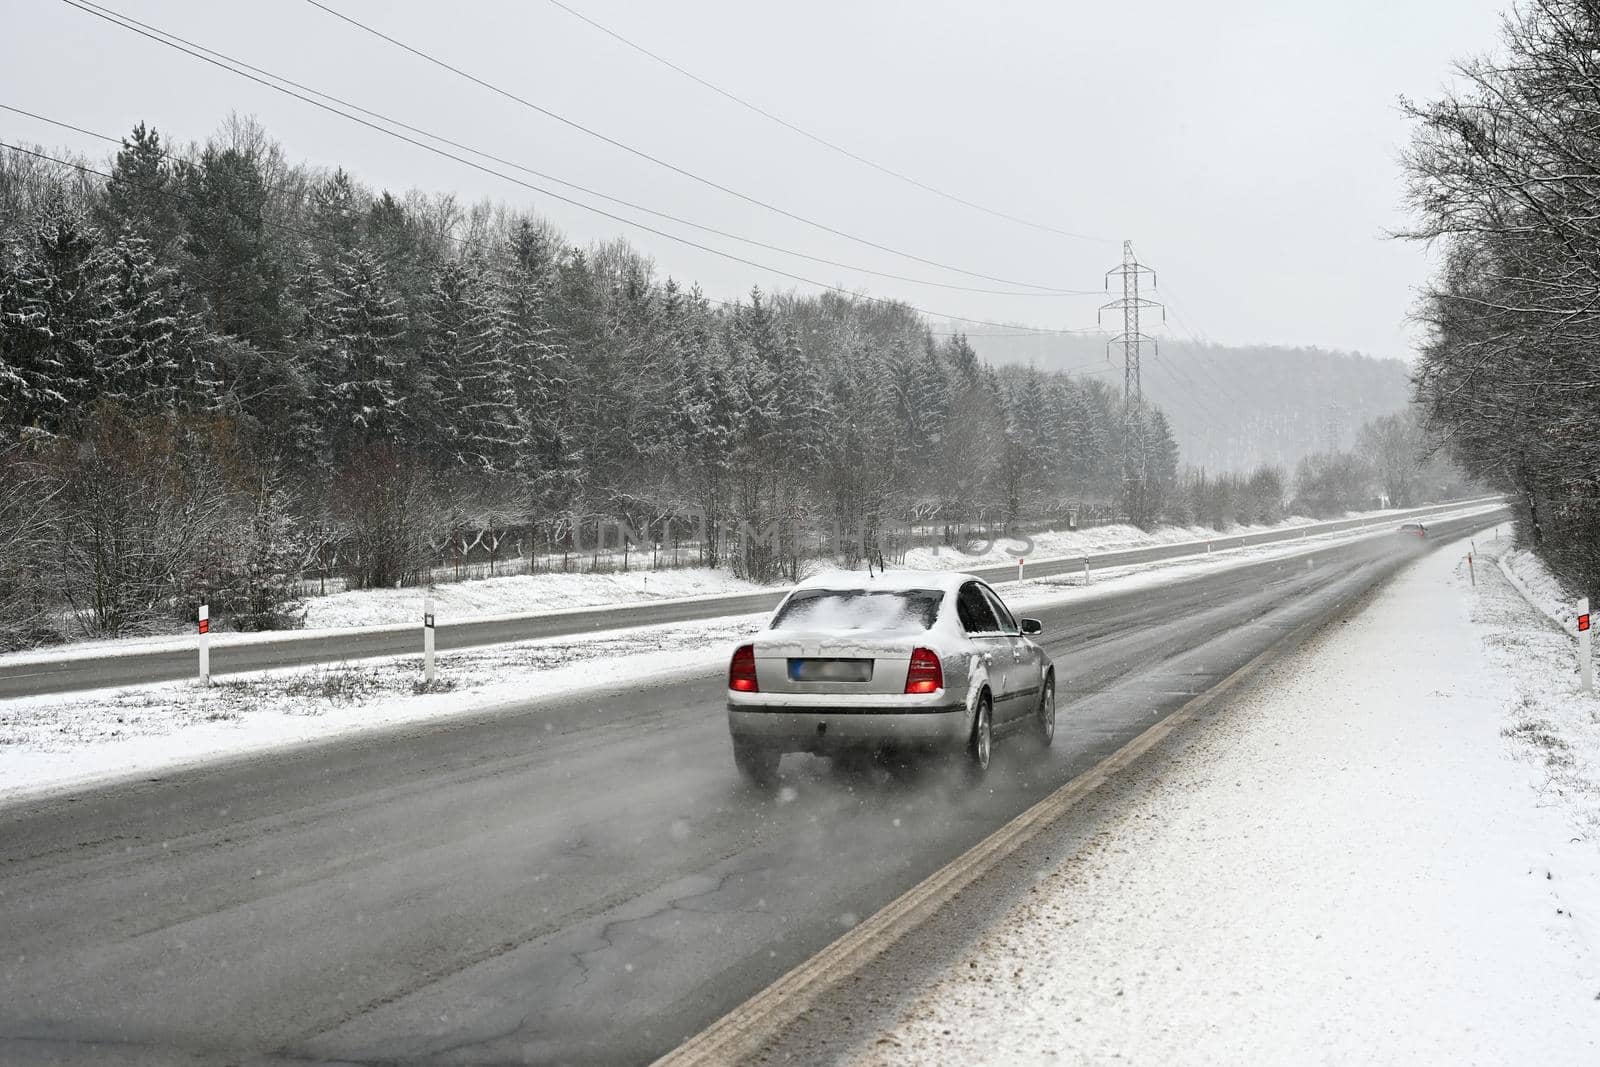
x=1032, y=627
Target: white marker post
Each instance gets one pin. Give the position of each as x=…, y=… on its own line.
x=1585, y=665
x=1470, y=572
x=1085, y=570
x=427, y=640
x=204, y=626
x=1020, y=562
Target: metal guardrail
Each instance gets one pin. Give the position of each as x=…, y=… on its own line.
x=100, y=669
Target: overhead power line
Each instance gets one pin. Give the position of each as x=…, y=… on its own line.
x=85, y=169
x=642, y=154
x=218, y=58
x=467, y=148
x=817, y=139
x=156, y=35
x=1228, y=394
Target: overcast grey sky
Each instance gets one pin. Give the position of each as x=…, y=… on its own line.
x=1247, y=147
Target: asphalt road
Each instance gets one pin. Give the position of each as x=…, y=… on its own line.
x=19, y=677
x=569, y=881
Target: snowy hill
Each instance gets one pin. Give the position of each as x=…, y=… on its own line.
x=1231, y=407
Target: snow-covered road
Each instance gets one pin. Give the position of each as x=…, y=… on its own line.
x=1378, y=856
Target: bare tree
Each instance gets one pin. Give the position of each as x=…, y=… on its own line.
x=140, y=518
x=26, y=496
x=1505, y=174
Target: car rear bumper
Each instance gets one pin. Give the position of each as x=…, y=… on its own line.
x=827, y=729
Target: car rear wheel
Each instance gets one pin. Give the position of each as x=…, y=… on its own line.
x=757, y=763
x=1044, y=717
x=981, y=744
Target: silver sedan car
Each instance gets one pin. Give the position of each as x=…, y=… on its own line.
x=907, y=661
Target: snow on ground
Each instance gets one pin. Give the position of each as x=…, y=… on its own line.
x=520, y=595
x=1554, y=726
x=75, y=738
x=1383, y=853
x=1535, y=582
x=554, y=591
x=1055, y=544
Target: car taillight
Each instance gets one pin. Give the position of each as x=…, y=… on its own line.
x=925, y=674
x=742, y=671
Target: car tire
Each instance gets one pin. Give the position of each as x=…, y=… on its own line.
x=757, y=764
x=1044, y=716
x=980, y=746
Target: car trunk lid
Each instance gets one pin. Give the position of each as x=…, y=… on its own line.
x=834, y=663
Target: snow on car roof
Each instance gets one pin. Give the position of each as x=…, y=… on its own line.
x=892, y=581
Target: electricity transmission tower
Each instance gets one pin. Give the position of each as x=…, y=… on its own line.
x=1136, y=498
x=1131, y=339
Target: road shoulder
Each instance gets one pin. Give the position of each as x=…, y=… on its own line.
x=1375, y=878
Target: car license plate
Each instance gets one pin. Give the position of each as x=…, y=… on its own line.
x=830, y=670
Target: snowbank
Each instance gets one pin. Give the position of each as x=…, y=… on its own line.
x=1553, y=725
x=519, y=595
x=1535, y=582
x=515, y=595
x=75, y=739
x=1362, y=861
x=1052, y=544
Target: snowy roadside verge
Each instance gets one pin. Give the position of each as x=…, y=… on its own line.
x=1554, y=726
x=1534, y=581
x=552, y=595
x=75, y=739
x=1055, y=545
x=1370, y=858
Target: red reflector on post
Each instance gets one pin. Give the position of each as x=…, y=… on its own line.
x=742, y=671
x=1583, y=623
x=926, y=674
x=205, y=626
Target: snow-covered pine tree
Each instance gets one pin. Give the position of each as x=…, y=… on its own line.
x=1073, y=436
x=968, y=447
x=16, y=333
x=56, y=312
x=150, y=358
x=758, y=410
x=358, y=358
x=522, y=345
x=932, y=399
x=231, y=260
x=1028, y=443
x=703, y=405
x=143, y=195
x=337, y=215
x=489, y=428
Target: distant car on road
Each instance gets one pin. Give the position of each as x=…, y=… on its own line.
x=901, y=661
x=1414, y=529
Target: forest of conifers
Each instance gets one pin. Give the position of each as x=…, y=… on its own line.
x=221, y=370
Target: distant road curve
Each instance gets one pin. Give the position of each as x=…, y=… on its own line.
x=63, y=673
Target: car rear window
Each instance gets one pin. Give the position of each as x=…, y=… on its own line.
x=859, y=609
